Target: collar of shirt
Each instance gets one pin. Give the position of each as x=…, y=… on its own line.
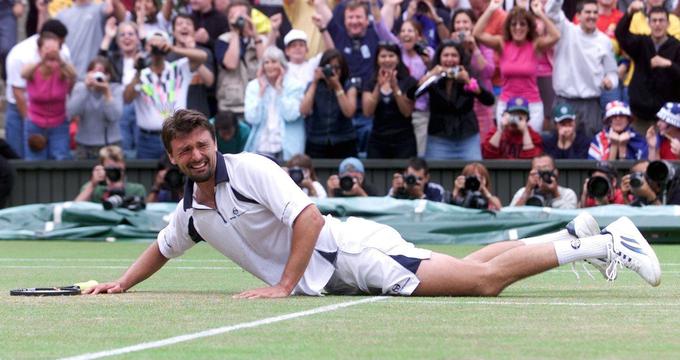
x=221, y=176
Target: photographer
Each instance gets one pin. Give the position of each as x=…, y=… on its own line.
x=471, y=189
x=168, y=186
x=301, y=170
x=159, y=88
x=600, y=188
x=415, y=183
x=652, y=183
x=542, y=188
x=350, y=180
x=514, y=138
x=108, y=178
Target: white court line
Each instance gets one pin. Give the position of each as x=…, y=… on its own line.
x=114, y=267
x=221, y=330
x=532, y=303
x=107, y=259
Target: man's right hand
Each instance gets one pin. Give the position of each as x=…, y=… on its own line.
x=635, y=6
x=397, y=183
x=98, y=175
x=106, y=288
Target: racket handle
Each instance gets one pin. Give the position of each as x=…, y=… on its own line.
x=86, y=284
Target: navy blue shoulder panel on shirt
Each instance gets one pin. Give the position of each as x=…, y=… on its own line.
x=193, y=234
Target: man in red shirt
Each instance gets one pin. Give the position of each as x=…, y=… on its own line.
x=513, y=138
x=608, y=17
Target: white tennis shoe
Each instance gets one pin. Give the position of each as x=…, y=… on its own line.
x=630, y=249
x=582, y=226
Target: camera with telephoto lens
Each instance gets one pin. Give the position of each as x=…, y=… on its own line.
x=473, y=197
x=420, y=47
x=240, y=23
x=99, y=77
x=514, y=119
x=546, y=176
x=537, y=199
x=157, y=51
x=410, y=180
x=598, y=187
x=346, y=183
x=637, y=179
x=174, y=179
x=327, y=70
x=660, y=171
x=296, y=174
x=142, y=62
x=117, y=199
x=114, y=174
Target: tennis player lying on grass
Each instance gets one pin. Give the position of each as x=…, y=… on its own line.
x=250, y=210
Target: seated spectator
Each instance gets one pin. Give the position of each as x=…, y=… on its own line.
x=389, y=99
x=350, y=180
x=7, y=174
x=199, y=91
x=618, y=140
x=482, y=63
x=471, y=189
x=414, y=183
x=518, y=50
x=601, y=187
x=513, y=138
x=123, y=59
x=652, y=183
x=108, y=178
x=664, y=143
x=98, y=104
x=272, y=108
x=657, y=65
x=295, y=43
x=49, y=81
x=301, y=170
x=159, y=89
x=328, y=106
x=168, y=185
x=232, y=134
x=566, y=141
x=453, y=129
x=542, y=188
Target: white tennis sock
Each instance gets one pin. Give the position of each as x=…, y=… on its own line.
x=542, y=239
x=585, y=248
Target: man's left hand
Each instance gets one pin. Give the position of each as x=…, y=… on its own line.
x=659, y=61
x=270, y=292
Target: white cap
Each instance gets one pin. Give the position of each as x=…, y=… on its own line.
x=293, y=35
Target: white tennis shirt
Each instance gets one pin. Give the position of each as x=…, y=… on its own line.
x=257, y=203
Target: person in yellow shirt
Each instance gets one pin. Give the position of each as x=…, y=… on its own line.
x=299, y=13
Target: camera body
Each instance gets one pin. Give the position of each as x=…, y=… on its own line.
x=514, y=119
x=472, y=183
x=173, y=179
x=156, y=51
x=420, y=47
x=453, y=72
x=240, y=23
x=410, y=180
x=346, y=183
x=546, y=176
x=637, y=179
x=113, y=174
x=99, y=77
x=296, y=174
x=327, y=70
x=142, y=62
x=598, y=187
x=132, y=203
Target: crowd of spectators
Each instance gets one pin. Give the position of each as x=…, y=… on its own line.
x=401, y=79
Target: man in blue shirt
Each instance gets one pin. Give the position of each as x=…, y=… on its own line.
x=415, y=183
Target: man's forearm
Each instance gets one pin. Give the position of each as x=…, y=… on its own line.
x=306, y=229
x=146, y=265
x=196, y=56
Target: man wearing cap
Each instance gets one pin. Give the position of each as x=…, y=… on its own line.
x=209, y=22
x=617, y=140
x=350, y=180
x=513, y=138
x=160, y=89
x=657, y=65
x=566, y=141
x=25, y=52
x=299, y=67
x=601, y=187
x=664, y=144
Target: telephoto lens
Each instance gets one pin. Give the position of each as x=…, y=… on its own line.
x=346, y=183
x=112, y=202
x=598, y=187
x=296, y=174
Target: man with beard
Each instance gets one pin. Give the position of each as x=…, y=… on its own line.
x=250, y=210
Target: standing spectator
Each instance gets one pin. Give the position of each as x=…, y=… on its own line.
x=514, y=138
x=518, y=50
x=272, y=107
x=199, y=90
x=48, y=83
x=584, y=63
x=238, y=52
x=98, y=103
x=414, y=183
x=657, y=65
x=295, y=43
x=10, y=11
x=7, y=174
x=123, y=61
x=328, y=106
x=159, y=89
x=431, y=18
x=209, y=22
x=453, y=129
x=146, y=14
x=566, y=141
x=639, y=24
x=608, y=16
x=232, y=134
x=464, y=188
x=482, y=63
x=664, y=144
x=618, y=140
x=542, y=187
x=389, y=99
x=85, y=22
x=25, y=52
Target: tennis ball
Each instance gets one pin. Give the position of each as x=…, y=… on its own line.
x=86, y=285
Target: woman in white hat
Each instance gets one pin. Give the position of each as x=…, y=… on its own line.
x=663, y=139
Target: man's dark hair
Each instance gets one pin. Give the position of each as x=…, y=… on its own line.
x=226, y=120
x=418, y=163
x=183, y=122
x=581, y=4
x=182, y=16
x=544, y=155
x=356, y=4
x=331, y=54
x=235, y=3
x=55, y=27
x=658, y=9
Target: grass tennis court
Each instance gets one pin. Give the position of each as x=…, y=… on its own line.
x=553, y=315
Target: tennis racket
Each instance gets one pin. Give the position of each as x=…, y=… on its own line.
x=52, y=291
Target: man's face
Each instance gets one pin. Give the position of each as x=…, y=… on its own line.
x=296, y=51
x=619, y=122
x=235, y=12
x=184, y=28
x=658, y=22
x=356, y=21
x=478, y=6
x=605, y=3
x=542, y=163
x=421, y=177
x=195, y=154
x=566, y=127
x=588, y=17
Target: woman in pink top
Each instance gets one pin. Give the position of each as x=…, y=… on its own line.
x=519, y=50
x=48, y=83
